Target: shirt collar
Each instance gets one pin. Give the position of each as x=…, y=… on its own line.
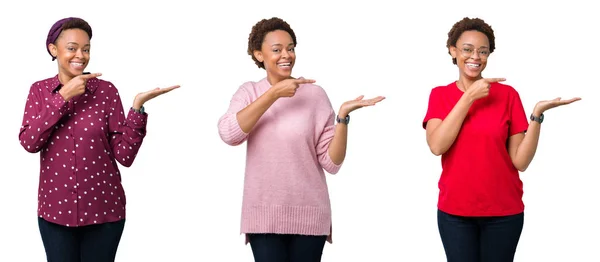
x=54, y=85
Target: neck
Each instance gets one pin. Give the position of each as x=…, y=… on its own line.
x=464, y=82
x=274, y=79
x=64, y=78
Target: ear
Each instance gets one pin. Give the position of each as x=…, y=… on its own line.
x=53, y=50
x=453, y=51
x=259, y=56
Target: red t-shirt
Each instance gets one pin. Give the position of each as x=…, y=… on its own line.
x=478, y=177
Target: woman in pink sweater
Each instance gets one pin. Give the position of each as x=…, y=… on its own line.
x=289, y=124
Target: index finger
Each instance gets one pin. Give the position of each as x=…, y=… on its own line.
x=90, y=75
x=494, y=80
x=304, y=81
x=171, y=88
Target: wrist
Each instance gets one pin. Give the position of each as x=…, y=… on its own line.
x=137, y=105
x=537, y=112
x=342, y=113
x=468, y=98
x=63, y=95
x=139, y=110
x=343, y=119
x=272, y=94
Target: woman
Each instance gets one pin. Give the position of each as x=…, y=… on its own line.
x=289, y=125
x=480, y=129
x=77, y=124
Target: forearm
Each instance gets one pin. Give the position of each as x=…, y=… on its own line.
x=127, y=139
x=442, y=138
x=249, y=116
x=337, y=147
x=527, y=148
x=37, y=126
x=32, y=140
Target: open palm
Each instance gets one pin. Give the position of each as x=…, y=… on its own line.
x=542, y=106
x=144, y=97
x=357, y=103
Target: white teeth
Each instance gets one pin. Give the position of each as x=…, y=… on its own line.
x=77, y=64
x=285, y=64
x=472, y=65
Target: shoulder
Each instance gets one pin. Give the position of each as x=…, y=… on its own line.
x=101, y=84
x=315, y=89
x=441, y=89
x=505, y=89
x=46, y=81
x=49, y=83
x=316, y=94
x=252, y=87
x=104, y=88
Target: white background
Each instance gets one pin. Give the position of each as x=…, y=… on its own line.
x=185, y=189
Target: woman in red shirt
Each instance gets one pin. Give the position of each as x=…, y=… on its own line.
x=479, y=127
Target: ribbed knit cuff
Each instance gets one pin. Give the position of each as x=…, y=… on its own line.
x=230, y=130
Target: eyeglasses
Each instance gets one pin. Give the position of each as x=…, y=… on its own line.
x=467, y=51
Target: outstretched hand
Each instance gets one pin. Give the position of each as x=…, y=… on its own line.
x=357, y=103
x=144, y=97
x=542, y=106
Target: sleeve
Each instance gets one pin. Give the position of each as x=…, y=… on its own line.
x=323, y=143
x=434, y=108
x=42, y=113
x=518, y=118
x=125, y=134
x=229, y=129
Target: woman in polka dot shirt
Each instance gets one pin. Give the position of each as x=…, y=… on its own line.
x=77, y=124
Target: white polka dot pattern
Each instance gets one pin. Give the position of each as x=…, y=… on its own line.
x=80, y=143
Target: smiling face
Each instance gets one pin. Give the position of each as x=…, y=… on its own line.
x=72, y=52
x=471, y=52
x=278, y=55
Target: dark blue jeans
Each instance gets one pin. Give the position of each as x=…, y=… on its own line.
x=286, y=248
x=480, y=239
x=93, y=243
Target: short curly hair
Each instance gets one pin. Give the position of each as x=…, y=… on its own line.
x=260, y=30
x=469, y=24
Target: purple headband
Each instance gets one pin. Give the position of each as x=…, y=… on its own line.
x=55, y=32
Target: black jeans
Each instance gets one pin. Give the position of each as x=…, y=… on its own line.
x=480, y=239
x=286, y=248
x=93, y=243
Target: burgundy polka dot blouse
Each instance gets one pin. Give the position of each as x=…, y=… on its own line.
x=80, y=143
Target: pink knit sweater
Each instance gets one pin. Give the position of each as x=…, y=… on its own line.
x=285, y=191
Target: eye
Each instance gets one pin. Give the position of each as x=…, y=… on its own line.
x=86, y=50
x=466, y=49
x=71, y=48
x=484, y=52
x=275, y=50
x=292, y=49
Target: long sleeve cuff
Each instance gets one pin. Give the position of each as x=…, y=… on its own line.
x=137, y=120
x=58, y=102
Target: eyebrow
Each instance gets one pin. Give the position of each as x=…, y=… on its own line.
x=474, y=45
x=77, y=43
x=290, y=44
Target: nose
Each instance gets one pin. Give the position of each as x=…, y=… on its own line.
x=475, y=54
x=79, y=53
x=285, y=53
